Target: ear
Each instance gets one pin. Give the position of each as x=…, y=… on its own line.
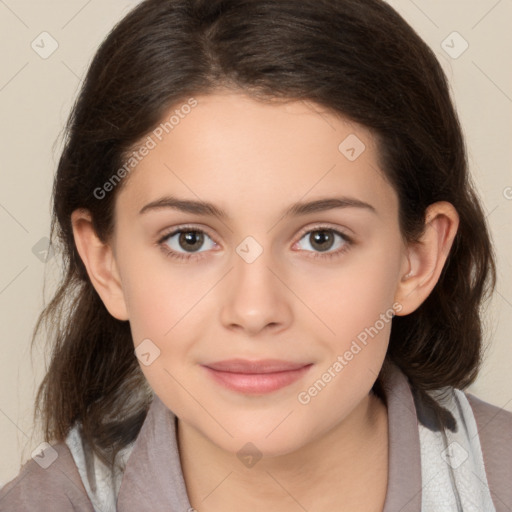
x=425, y=259
x=100, y=263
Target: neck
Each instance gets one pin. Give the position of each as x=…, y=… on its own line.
x=346, y=465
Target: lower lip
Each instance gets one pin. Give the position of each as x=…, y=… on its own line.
x=257, y=383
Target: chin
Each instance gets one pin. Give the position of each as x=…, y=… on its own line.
x=262, y=444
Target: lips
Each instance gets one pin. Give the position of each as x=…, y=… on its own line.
x=256, y=377
x=262, y=366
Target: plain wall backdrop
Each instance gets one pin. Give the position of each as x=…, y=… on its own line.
x=46, y=48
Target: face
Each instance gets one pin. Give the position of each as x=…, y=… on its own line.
x=296, y=260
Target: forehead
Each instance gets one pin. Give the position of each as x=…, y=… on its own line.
x=234, y=150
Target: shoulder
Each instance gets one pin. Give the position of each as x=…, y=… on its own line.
x=495, y=433
x=491, y=418
x=52, y=484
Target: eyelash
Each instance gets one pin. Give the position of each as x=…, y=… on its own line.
x=197, y=256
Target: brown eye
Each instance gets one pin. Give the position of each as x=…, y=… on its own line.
x=324, y=240
x=185, y=241
x=191, y=241
x=321, y=240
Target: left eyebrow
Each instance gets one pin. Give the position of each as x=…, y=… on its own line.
x=296, y=209
x=330, y=203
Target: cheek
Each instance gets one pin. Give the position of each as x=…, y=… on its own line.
x=148, y=309
x=159, y=294
x=351, y=297
x=167, y=305
x=358, y=309
x=162, y=311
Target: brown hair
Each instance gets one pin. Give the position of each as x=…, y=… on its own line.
x=358, y=58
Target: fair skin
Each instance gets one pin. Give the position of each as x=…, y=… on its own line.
x=254, y=160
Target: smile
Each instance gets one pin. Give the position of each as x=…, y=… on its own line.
x=256, y=377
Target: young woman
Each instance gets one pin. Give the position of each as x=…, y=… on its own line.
x=275, y=264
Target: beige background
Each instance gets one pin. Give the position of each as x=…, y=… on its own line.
x=36, y=95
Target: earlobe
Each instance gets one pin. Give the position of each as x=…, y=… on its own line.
x=100, y=263
x=427, y=258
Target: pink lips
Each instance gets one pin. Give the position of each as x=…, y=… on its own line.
x=256, y=377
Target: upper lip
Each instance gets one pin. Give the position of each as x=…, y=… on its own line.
x=261, y=366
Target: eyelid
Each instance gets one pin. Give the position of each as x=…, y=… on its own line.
x=164, y=235
x=327, y=227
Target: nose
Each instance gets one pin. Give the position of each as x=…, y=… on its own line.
x=255, y=299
